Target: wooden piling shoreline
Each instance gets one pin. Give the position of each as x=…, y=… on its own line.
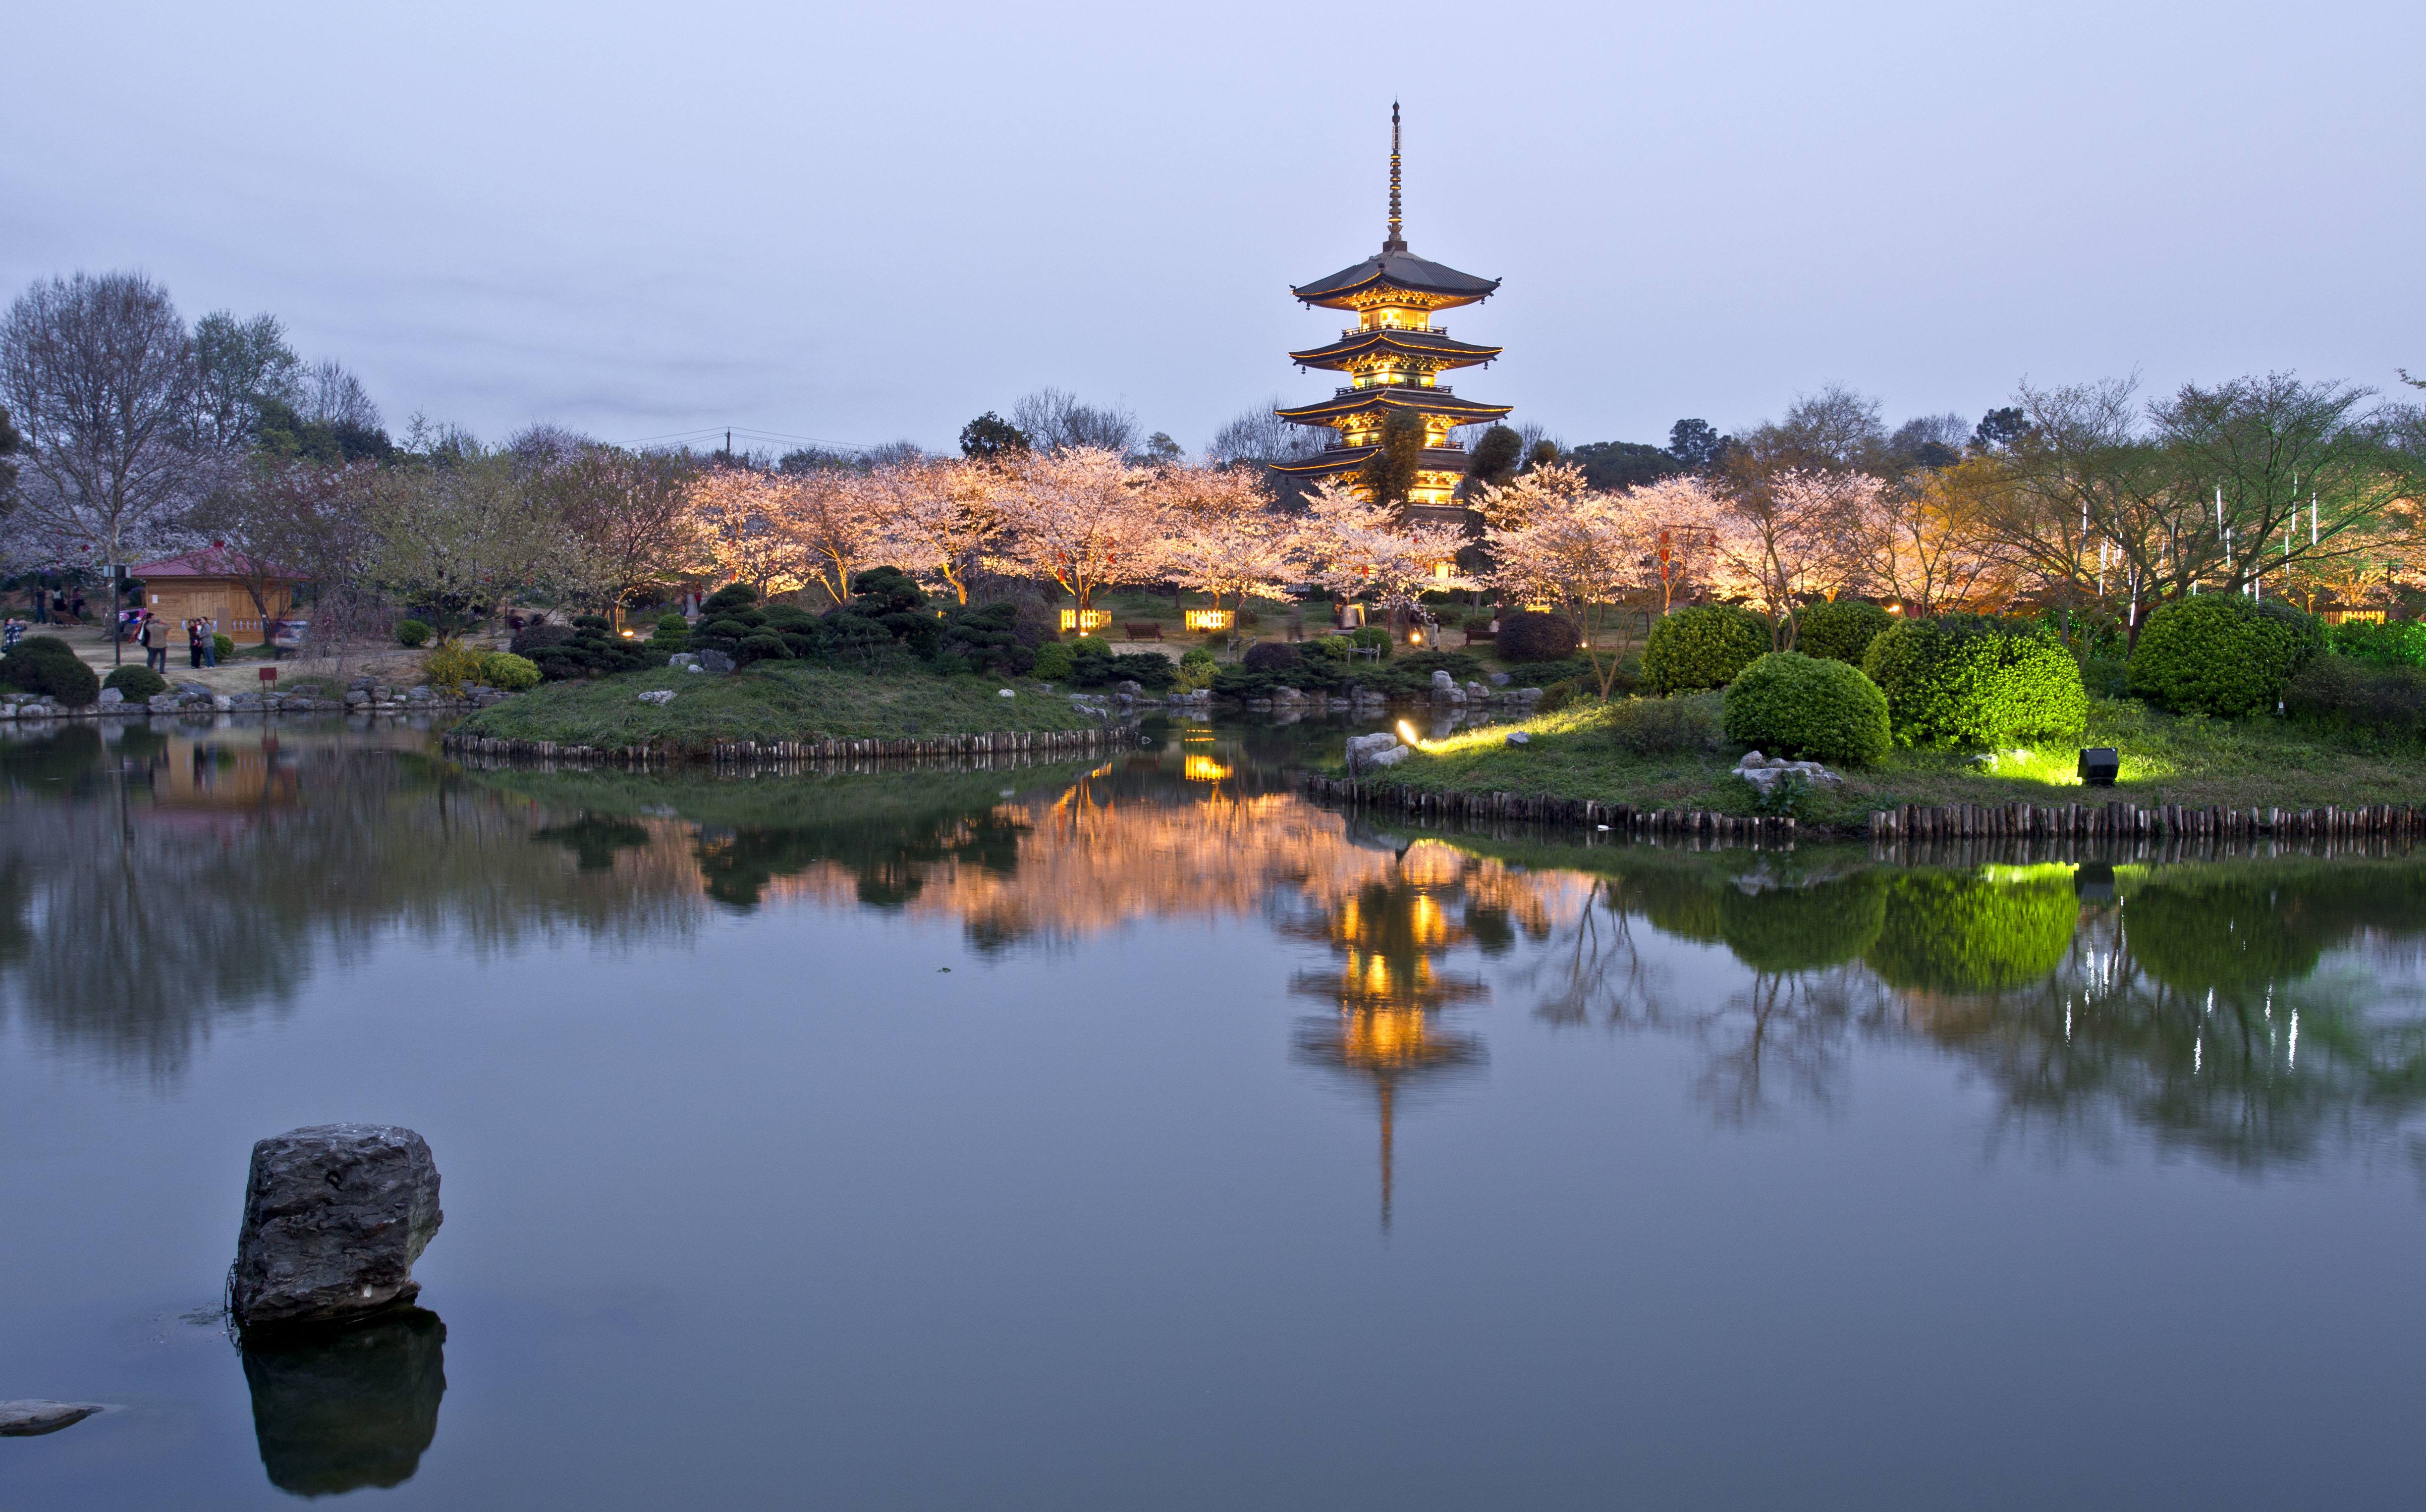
x=1027, y=744
x=2139, y=829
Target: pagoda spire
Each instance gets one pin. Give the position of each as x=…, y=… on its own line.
x=1396, y=241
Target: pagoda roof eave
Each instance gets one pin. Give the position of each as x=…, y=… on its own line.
x=1398, y=270
x=1415, y=343
x=1412, y=397
x=1340, y=459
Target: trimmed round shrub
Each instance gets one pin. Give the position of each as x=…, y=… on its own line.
x=539, y=636
x=1967, y=681
x=413, y=633
x=1530, y=635
x=670, y=624
x=1789, y=704
x=49, y=666
x=726, y=599
x=1052, y=662
x=1840, y=629
x=1373, y=638
x=222, y=646
x=136, y=682
x=2221, y=654
x=1269, y=657
x=760, y=647
x=1085, y=644
x=1702, y=647
x=504, y=670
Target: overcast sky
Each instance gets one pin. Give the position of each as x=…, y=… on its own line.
x=861, y=222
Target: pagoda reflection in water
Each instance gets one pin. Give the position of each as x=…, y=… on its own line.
x=1391, y=934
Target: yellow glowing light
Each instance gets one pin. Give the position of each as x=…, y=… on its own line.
x=1208, y=618
x=1415, y=637
x=1407, y=734
x=1085, y=620
x=1202, y=769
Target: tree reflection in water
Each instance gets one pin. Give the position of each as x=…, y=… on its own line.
x=154, y=884
x=154, y=881
x=2253, y=1012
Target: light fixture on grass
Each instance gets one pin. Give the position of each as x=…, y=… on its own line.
x=2098, y=766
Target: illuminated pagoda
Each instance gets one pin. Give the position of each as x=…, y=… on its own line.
x=1394, y=357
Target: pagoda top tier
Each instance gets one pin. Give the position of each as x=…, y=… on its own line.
x=1399, y=277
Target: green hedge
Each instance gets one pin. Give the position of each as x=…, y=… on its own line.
x=1702, y=647
x=1946, y=933
x=1530, y=635
x=2221, y=654
x=1789, y=704
x=1840, y=630
x=413, y=633
x=49, y=666
x=1966, y=681
x=2399, y=643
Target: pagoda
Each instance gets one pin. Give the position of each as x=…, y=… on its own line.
x=1394, y=355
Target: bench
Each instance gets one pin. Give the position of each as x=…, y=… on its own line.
x=1149, y=630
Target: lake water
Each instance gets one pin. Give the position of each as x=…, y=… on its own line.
x=1144, y=1136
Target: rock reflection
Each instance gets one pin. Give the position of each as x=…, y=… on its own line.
x=335, y=1412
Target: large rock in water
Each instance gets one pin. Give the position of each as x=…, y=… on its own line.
x=334, y=1216
x=28, y=1420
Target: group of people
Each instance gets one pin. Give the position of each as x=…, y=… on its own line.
x=202, y=640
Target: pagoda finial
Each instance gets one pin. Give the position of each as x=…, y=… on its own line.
x=1394, y=242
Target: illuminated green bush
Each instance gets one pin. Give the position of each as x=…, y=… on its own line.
x=2221, y=654
x=1702, y=647
x=1789, y=704
x=2224, y=936
x=1950, y=933
x=1967, y=681
x=1840, y=630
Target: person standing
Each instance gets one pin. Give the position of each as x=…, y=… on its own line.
x=156, y=646
x=210, y=641
x=75, y=606
x=194, y=644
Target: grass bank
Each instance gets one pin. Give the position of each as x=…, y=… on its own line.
x=2166, y=759
x=769, y=702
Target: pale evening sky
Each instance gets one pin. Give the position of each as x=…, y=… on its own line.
x=862, y=222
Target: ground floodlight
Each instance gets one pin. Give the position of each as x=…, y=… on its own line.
x=2098, y=766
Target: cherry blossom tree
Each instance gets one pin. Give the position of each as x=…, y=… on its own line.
x=1582, y=553
x=1222, y=538
x=740, y=515
x=1931, y=548
x=1796, y=533
x=1676, y=524
x=1081, y=517
x=836, y=517
x=943, y=517
x=1355, y=547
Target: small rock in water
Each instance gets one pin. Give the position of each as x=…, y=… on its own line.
x=658, y=695
x=334, y=1216
x=30, y=1418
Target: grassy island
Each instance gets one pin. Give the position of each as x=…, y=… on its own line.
x=1582, y=751
x=771, y=700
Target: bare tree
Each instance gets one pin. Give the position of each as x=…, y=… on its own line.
x=1055, y=421
x=630, y=514
x=100, y=374
x=333, y=396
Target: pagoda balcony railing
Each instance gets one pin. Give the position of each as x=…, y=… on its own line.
x=1388, y=388
x=1413, y=330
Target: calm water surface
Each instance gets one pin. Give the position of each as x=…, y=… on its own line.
x=1142, y=1137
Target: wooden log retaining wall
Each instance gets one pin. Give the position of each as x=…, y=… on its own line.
x=2118, y=820
x=1029, y=745
x=2152, y=830
x=1590, y=814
